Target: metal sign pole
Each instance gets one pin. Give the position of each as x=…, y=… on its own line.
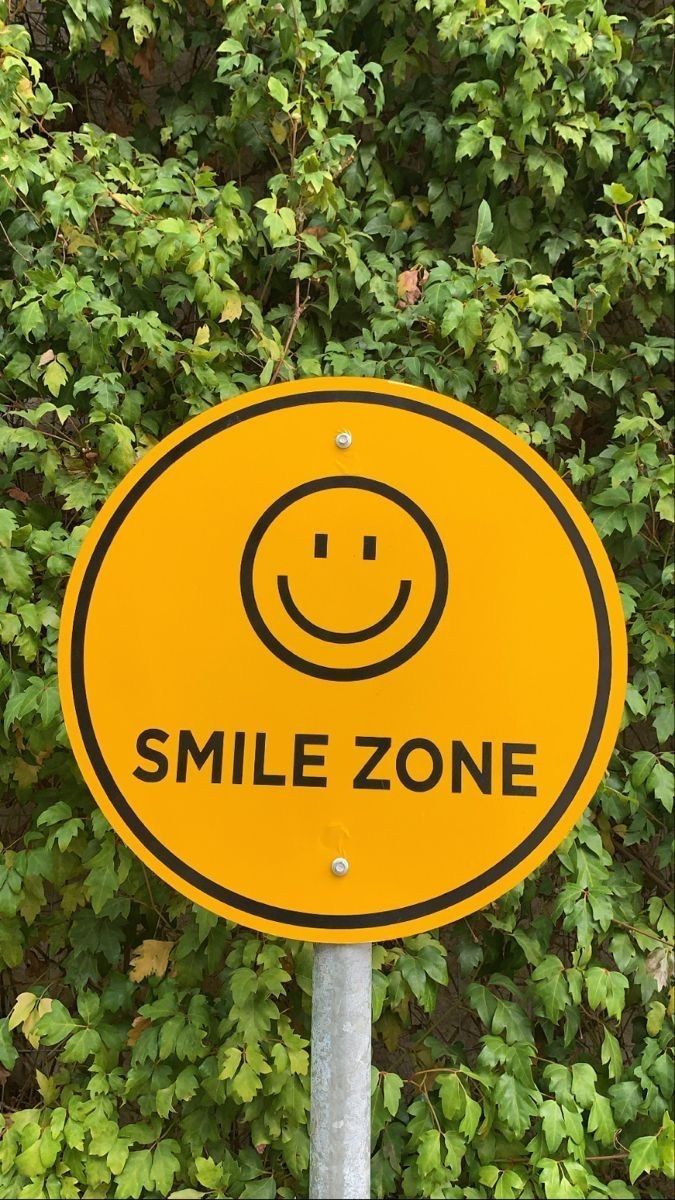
x=340, y=1101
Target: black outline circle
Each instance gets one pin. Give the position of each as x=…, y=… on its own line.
x=327, y=921
x=325, y=484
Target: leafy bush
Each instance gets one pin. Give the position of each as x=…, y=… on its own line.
x=198, y=198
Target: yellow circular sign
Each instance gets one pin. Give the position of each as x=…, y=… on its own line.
x=342, y=660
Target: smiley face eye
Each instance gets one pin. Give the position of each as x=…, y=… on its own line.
x=321, y=546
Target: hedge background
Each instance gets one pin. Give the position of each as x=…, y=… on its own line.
x=199, y=197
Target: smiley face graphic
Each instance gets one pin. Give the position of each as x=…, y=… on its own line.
x=344, y=578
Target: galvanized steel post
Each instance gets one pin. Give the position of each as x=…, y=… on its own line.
x=341, y=1047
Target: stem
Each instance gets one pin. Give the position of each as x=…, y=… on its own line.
x=299, y=309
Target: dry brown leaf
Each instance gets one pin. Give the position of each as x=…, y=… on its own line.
x=138, y=1025
x=150, y=958
x=45, y=358
x=659, y=965
x=409, y=286
x=144, y=59
x=115, y=123
x=16, y=493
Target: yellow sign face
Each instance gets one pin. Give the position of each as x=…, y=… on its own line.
x=342, y=660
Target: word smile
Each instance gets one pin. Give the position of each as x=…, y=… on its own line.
x=303, y=760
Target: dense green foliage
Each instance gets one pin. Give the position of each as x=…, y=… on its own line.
x=196, y=198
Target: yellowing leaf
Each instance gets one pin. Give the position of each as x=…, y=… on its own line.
x=138, y=1025
x=202, y=335
x=75, y=238
x=231, y=308
x=617, y=193
x=150, y=958
x=110, y=44
x=47, y=1087
x=26, y=1012
x=55, y=376
x=125, y=203
x=483, y=256
x=25, y=773
x=23, y=1007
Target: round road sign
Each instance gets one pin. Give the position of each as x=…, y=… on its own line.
x=342, y=659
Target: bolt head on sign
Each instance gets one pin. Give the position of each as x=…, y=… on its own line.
x=402, y=653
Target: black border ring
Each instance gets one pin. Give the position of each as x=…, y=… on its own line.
x=327, y=483
x=407, y=912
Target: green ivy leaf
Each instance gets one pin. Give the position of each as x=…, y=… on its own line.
x=392, y=1086
x=484, y=225
x=429, y=1152
x=644, y=1157
x=601, y=1121
x=278, y=91
x=55, y=1025
x=552, y=1124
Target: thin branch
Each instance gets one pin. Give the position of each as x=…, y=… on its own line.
x=299, y=309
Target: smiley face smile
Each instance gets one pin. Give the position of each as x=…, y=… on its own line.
x=278, y=550
x=333, y=635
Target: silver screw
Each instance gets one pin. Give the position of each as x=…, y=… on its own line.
x=344, y=441
x=339, y=866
